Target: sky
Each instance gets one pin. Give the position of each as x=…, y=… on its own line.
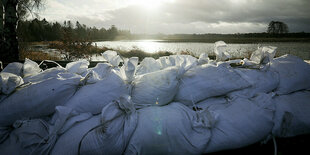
x=182, y=16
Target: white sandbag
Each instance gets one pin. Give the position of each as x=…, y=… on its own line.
x=292, y=115
x=112, y=57
x=164, y=62
x=128, y=70
x=30, y=68
x=77, y=67
x=220, y=51
x=203, y=59
x=26, y=138
x=38, y=99
x=185, y=61
x=38, y=136
x=68, y=142
x=9, y=82
x=118, y=122
x=263, y=55
x=4, y=133
x=99, y=72
x=261, y=82
x=156, y=88
x=242, y=123
x=48, y=73
x=214, y=103
x=14, y=68
x=171, y=129
x=148, y=65
x=294, y=74
x=206, y=81
x=93, y=97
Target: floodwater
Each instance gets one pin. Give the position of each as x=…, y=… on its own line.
x=236, y=50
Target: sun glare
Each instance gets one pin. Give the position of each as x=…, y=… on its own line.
x=150, y=4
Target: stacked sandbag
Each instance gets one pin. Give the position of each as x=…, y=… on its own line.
x=93, y=97
x=9, y=82
x=148, y=65
x=38, y=99
x=118, y=122
x=202, y=82
x=171, y=129
x=292, y=115
x=156, y=88
x=68, y=142
x=14, y=68
x=242, y=122
x=294, y=74
x=46, y=74
x=262, y=81
x=38, y=136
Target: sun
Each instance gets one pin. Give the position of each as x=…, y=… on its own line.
x=150, y=4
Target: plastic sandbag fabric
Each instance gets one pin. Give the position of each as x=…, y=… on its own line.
x=242, y=122
x=171, y=129
x=220, y=51
x=93, y=97
x=77, y=67
x=206, y=81
x=118, y=122
x=294, y=74
x=8, y=82
x=292, y=115
x=38, y=99
x=30, y=68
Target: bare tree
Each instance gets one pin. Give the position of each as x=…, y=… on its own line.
x=10, y=17
x=277, y=27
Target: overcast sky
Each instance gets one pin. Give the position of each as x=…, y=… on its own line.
x=182, y=16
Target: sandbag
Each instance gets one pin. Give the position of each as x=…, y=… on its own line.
x=292, y=115
x=68, y=142
x=147, y=65
x=206, y=81
x=203, y=59
x=9, y=82
x=294, y=74
x=14, y=68
x=77, y=67
x=220, y=51
x=93, y=97
x=112, y=57
x=48, y=73
x=30, y=68
x=38, y=99
x=118, y=122
x=242, y=123
x=262, y=81
x=98, y=73
x=171, y=129
x=156, y=88
x=37, y=136
x=263, y=55
x=128, y=70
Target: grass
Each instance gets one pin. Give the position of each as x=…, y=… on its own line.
x=36, y=55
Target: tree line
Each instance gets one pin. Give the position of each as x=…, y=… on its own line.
x=42, y=30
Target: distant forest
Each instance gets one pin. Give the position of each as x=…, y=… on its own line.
x=42, y=30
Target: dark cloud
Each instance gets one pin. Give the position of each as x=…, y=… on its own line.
x=206, y=16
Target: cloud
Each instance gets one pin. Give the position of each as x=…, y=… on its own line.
x=185, y=16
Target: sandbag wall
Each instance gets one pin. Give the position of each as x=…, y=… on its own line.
x=173, y=105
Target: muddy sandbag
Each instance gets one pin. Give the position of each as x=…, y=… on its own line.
x=292, y=115
x=294, y=74
x=118, y=122
x=93, y=97
x=241, y=123
x=206, y=81
x=262, y=81
x=171, y=129
x=156, y=88
x=9, y=82
x=38, y=99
